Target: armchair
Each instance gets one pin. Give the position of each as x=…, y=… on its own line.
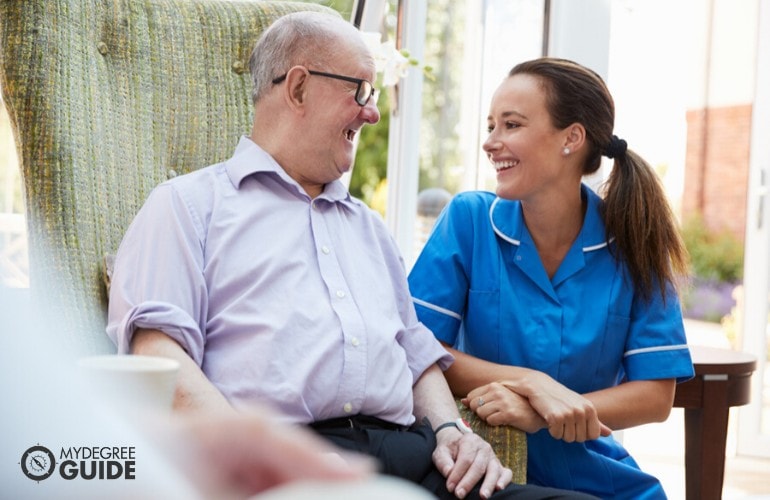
x=107, y=98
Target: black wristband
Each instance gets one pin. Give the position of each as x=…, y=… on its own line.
x=459, y=424
x=445, y=425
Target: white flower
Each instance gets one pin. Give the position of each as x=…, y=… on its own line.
x=390, y=62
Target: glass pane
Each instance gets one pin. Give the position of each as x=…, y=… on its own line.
x=764, y=420
x=470, y=51
x=14, y=264
x=344, y=7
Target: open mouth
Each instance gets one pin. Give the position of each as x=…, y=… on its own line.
x=504, y=165
x=350, y=134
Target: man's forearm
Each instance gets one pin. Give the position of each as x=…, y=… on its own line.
x=433, y=399
x=193, y=391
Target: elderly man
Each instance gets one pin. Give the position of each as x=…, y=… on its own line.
x=272, y=285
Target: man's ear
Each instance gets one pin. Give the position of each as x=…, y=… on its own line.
x=296, y=87
x=575, y=137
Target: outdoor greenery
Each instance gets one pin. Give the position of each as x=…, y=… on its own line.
x=716, y=269
x=440, y=157
x=714, y=255
x=344, y=7
x=439, y=154
x=372, y=156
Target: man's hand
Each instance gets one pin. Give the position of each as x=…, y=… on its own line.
x=464, y=459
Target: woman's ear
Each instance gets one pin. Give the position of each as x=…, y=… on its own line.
x=575, y=137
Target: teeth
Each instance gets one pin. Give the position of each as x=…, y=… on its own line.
x=502, y=165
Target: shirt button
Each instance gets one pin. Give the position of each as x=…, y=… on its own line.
x=347, y=407
x=325, y=250
x=355, y=342
x=340, y=294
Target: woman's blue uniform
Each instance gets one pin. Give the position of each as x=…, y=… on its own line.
x=479, y=285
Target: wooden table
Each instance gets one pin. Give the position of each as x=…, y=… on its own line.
x=722, y=380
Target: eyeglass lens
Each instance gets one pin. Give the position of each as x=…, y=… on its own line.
x=365, y=92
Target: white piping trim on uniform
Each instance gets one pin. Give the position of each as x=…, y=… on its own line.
x=655, y=349
x=596, y=247
x=517, y=242
x=437, y=308
x=494, y=227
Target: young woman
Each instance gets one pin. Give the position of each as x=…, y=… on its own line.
x=560, y=306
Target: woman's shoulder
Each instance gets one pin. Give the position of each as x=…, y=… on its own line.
x=473, y=200
x=479, y=209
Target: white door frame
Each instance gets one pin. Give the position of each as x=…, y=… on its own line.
x=756, y=280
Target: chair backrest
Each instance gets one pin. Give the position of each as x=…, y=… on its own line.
x=108, y=98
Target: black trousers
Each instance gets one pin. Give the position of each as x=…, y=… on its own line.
x=407, y=453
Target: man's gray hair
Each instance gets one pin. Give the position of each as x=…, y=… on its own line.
x=306, y=38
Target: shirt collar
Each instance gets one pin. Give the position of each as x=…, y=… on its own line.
x=508, y=223
x=250, y=159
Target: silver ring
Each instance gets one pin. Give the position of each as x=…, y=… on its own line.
x=481, y=401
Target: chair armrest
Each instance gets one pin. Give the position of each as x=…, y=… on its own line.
x=509, y=443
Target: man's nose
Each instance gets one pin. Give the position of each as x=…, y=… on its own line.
x=370, y=113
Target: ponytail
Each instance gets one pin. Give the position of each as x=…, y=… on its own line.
x=638, y=216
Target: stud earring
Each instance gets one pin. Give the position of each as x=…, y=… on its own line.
x=566, y=151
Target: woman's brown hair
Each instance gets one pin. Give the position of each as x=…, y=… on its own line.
x=636, y=212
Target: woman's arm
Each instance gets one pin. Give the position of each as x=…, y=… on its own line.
x=469, y=372
x=568, y=415
x=634, y=403
x=543, y=402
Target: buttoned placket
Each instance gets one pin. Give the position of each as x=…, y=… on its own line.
x=351, y=394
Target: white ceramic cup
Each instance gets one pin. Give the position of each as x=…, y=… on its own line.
x=130, y=384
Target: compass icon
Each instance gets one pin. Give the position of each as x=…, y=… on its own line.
x=38, y=463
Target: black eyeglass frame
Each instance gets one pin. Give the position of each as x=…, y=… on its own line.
x=361, y=101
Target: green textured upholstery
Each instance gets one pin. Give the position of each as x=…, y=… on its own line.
x=108, y=98
x=510, y=444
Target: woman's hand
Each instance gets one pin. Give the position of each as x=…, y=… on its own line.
x=536, y=402
x=569, y=416
x=497, y=405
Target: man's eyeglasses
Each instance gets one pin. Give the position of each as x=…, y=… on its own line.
x=364, y=91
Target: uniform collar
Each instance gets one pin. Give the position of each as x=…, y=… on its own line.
x=508, y=222
x=250, y=159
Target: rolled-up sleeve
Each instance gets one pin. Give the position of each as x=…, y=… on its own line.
x=158, y=280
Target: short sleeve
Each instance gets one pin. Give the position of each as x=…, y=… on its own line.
x=657, y=346
x=439, y=279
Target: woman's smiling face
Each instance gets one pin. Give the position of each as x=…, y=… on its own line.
x=523, y=145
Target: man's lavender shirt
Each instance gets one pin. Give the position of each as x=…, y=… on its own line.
x=296, y=303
